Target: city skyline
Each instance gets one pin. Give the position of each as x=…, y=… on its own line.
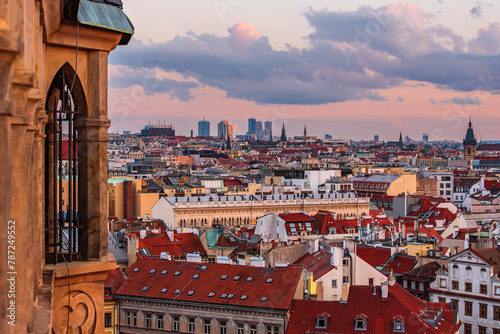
x=352, y=81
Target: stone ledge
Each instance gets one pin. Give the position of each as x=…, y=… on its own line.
x=81, y=267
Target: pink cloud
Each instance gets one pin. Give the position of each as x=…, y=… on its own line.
x=244, y=34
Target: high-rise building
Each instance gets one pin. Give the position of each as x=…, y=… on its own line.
x=204, y=128
x=376, y=138
x=251, y=125
x=267, y=129
x=259, y=130
x=425, y=138
x=224, y=129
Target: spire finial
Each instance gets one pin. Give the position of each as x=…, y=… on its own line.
x=470, y=121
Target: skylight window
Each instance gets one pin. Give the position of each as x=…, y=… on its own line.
x=177, y=291
x=236, y=278
x=223, y=277
x=164, y=290
x=136, y=270
x=249, y=279
x=164, y=272
x=203, y=267
x=269, y=281
x=177, y=273
x=196, y=276
x=152, y=271
x=244, y=297
x=145, y=289
x=223, y=296
x=190, y=293
x=211, y=295
x=263, y=299
x=230, y=296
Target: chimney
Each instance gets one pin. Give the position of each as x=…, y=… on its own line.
x=171, y=235
x=391, y=279
x=224, y=260
x=384, y=290
x=165, y=256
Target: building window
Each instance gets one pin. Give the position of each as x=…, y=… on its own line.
x=191, y=325
x=159, y=321
x=253, y=329
x=497, y=290
x=206, y=326
x=107, y=320
x=148, y=319
x=241, y=328
x=413, y=285
x=345, y=262
x=211, y=260
x=468, y=308
x=484, y=273
x=360, y=325
x=454, y=304
x=273, y=330
x=468, y=286
x=398, y=327
x=131, y=319
x=321, y=323
x=467, y=329
x=222, y=327
x=175, y=323
x=483, y=288
x=441, y=300
x=345, y=280
x=454, y=285
x=442, y=283
x=482, y=330
x=421, y=286
x=405, y=284
x=370, y=281
x=483, y=311
x=496, y=313
x=334, y=283
x=496, y=330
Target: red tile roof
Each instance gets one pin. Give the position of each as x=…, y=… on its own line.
x=400, y=263
x=182, y=244
x=114, y=280
x=318, y=263
x=379, y=313
x=374, y=256
x=298, y=217
x=428, y=270
x=279, y=291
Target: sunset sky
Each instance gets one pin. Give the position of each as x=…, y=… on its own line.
x=352, y=69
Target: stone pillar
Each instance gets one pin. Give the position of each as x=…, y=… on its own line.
x=92, y=187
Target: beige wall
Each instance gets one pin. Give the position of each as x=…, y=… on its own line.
x=406, y=182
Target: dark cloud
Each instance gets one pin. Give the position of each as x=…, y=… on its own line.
x=434, y=102
x=400, y=99
x=476, y=11
x=351, y=56
x=124, y=77
x=464, y=101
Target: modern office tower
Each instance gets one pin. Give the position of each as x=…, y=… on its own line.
x=224, y=129
x=375, y=138
x=204, y=128
x=425, y=138
x=267, y=129
x=251, y=125
x=258, y=130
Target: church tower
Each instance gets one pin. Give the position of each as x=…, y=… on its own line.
x=470, y=143
x=305, y=135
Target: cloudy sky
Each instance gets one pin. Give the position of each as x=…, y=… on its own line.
x=352, y=69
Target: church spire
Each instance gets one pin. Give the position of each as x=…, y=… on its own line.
x=283, y=133
x=305, y=134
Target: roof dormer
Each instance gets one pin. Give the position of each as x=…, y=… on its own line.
x=360, y=322
x=322, y=320
x=398, y=324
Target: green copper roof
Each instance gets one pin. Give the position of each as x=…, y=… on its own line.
x=212, y=237
x=104, y=16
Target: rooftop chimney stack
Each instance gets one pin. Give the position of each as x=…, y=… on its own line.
x=384, y=290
